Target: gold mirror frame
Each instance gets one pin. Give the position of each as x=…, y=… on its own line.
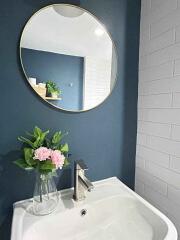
x=113, y=44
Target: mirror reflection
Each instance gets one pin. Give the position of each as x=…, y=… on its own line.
x=68, y=57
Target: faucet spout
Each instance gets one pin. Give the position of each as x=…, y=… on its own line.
x=87, y=184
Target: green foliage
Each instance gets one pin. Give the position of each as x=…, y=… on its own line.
x=64, y=148
x=52, y=87
x=37, y=139
x=56, y=138
x=22, y=164
x=66, y=162
x=28, y=156
x=46, y=166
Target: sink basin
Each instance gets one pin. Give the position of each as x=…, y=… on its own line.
x=110, y=212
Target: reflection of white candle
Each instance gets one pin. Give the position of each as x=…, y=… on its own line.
x=43, y=85
x=32, y=81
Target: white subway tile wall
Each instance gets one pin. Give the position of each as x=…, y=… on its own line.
x=158, y=138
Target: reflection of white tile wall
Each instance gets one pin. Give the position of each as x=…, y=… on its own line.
x=158, y=138
x=97, y=81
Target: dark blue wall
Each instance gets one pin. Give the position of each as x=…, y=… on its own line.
x=104, y=137
x=59, y=68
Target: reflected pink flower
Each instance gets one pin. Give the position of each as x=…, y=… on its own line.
x=42, y=153
x=57, y=158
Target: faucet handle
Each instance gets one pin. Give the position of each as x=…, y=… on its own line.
x=80, y=165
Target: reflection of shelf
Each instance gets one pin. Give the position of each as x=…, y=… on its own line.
x=51, y=98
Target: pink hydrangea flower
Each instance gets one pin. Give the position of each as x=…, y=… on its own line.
x=57, y=158
x=42, y=153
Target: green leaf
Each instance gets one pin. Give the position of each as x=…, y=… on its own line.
x=22, y=164
x=30, y=134
x=39, y=136
x=66, y=162
x=43, y=136
x=37, y=132
x=64, y=148
x=57, y=137
x=28, y=156
x=37, y=142
x=26, y=140
x=37, y=139
x=46, y=165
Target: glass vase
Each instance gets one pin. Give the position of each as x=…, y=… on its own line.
x=45, y=198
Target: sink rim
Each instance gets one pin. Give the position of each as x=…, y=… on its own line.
x=19, y=212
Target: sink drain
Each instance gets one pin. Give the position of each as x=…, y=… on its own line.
x=83, y=212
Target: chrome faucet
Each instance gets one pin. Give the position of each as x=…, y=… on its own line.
x=81, y=183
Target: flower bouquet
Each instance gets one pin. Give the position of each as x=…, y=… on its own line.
x=45, y=155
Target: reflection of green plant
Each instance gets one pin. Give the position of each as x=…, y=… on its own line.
x=38, y=141
x=52, y=88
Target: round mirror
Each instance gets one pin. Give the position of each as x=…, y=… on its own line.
x=68, y=57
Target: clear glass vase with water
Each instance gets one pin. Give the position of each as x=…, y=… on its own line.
x=45, y=197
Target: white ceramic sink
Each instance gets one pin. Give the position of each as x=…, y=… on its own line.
x=113, y=212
